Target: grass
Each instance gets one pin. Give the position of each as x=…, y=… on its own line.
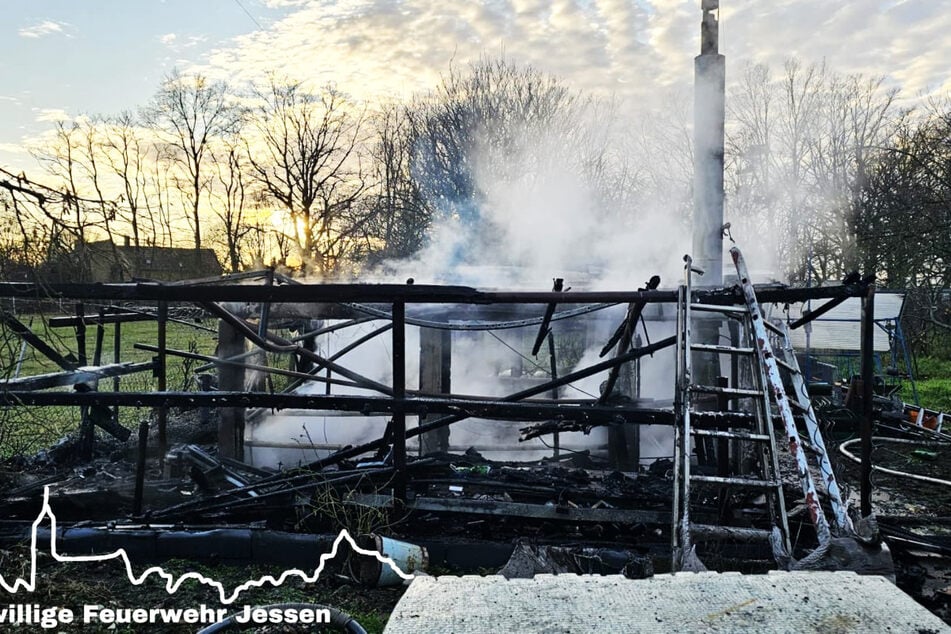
x=73, y=585
x=27, y=429
x=933, y=381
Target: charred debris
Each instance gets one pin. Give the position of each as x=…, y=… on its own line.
x=715, y=498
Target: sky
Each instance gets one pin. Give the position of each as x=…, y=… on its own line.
x=64, y=58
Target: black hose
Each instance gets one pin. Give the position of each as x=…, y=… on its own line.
x=338, y=619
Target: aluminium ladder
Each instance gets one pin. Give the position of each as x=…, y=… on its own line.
x=748, y=428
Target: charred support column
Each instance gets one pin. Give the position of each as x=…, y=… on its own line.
x=553, y=364
x=435, y=369
x=399, y=394
x=142, y=452
x=868, y=379
x=87, y=431
x=230, y=379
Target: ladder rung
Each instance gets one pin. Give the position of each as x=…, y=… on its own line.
x=738, y=435
x=760, y=484
x=730, y=391
x=773, y=327
x=716, y=308
x=708, y=417
x=793, y=403
x=705, y=532
x=785, y=365
x=708, y=347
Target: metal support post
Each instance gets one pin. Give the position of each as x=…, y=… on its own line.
x=162, y=376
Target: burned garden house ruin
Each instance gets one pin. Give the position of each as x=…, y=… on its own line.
x=666, y=428
x=449, y=425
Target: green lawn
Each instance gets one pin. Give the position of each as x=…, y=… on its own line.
x=933, y=380
x=27, y=429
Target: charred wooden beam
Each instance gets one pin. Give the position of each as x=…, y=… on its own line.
x=78, y=376
x=808, y=316
x=868, y=394
x=399, y=394
x=640, y=416
x=624, y=336
x=110, y=318
x=388, y=293
x=27, y=335
x=521, y=509
x=458, y=409
x=544, y=327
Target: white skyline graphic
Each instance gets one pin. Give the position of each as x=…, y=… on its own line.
x=172, y=583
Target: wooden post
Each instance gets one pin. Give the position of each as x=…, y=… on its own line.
x=87, y=432
x=435, y=367
x=230, y=379
x=140, y=467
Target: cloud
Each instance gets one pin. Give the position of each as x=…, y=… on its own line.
x=381, y=48
x=52, y=115
x=282, y=4
x=638, y=49
x=178, y=44
x=42, y=29
x=12, y=148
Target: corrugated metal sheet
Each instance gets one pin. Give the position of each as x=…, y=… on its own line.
x=840, y=328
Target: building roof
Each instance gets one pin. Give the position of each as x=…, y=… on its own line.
x=840, y=328
x=165, y=263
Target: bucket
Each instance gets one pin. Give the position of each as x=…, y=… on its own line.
x=370, y=571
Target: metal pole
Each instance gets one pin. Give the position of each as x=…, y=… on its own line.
x=116, y=354
x=162, y=376
x=868, y=378
x=555, y=438
x=709, y=115
x=81, y=334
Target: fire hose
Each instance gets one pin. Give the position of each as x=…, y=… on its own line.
x=902, y=474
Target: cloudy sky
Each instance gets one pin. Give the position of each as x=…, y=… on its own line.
x=71, y=57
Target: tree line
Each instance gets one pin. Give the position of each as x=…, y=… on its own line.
x=829, y=171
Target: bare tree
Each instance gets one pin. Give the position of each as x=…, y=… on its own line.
x=190, y=112
x=127, y=152
x=398, y=215
x=801, y=148
x=231, y=196
x=305, y=154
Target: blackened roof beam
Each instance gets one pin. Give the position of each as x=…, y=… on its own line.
x=416, y=293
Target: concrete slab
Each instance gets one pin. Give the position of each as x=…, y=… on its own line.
x=826, y=602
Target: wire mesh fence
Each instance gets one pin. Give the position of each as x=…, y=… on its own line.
x=41, y=337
